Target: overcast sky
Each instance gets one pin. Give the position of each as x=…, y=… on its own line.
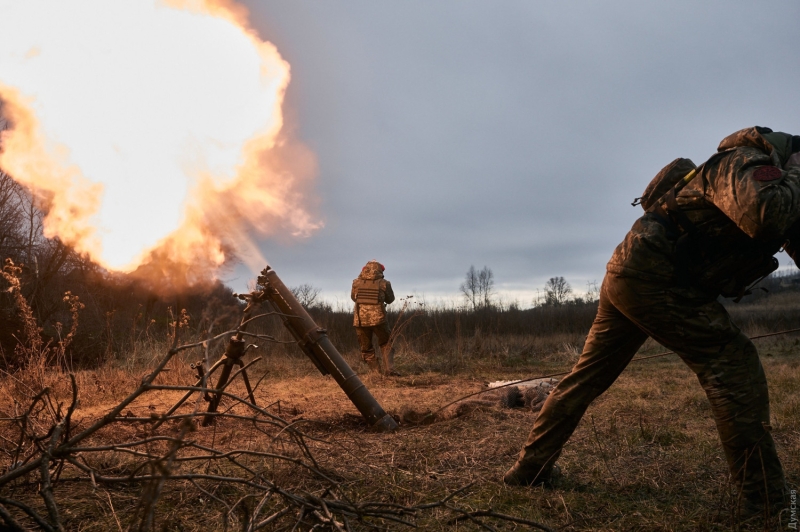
x=511, y=134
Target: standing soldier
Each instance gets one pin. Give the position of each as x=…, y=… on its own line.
x=371, y=293
x=714, y=236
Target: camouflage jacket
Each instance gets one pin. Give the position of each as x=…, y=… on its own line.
x=742, y=204
x=370, y=292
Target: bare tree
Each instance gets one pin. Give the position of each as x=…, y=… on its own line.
x=557, y=291
x=306, y=294
x=11, y=217
x=469, y=288
x=486, y=286
x=592, y=292
x=478, y=287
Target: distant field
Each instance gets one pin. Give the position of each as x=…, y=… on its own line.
x=646, y=455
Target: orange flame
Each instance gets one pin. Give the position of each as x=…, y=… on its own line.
x=150, y=131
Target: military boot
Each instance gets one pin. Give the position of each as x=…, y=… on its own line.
x=374, y=367
x=755, y=506
x=531, y=475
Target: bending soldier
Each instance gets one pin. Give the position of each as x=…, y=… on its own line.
x=371, y=293
x=714, y=236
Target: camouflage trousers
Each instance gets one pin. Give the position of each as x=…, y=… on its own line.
x=699, y=330
x=365, y=334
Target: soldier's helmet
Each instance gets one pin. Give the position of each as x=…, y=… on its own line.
x=372, y=270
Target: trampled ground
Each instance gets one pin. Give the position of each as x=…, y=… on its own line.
x=646, y=456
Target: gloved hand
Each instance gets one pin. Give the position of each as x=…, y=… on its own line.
x=792, y=245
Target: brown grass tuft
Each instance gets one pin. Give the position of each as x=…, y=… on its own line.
x=646, y=456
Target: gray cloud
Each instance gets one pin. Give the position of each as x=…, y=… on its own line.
x=510, y=134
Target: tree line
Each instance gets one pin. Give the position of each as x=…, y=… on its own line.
x=478, y=290
x=119, y=311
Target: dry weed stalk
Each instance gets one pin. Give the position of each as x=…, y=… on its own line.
x=30, y=345
x=45, y=446
x=401, y=325
x=32, y=353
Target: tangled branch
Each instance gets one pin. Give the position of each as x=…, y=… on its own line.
x=278, y=484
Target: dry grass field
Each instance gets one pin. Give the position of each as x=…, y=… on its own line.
x=646, y=456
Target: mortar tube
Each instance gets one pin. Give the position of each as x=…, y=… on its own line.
x=314, y=342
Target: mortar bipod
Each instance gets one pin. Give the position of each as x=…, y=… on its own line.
x=232, y=357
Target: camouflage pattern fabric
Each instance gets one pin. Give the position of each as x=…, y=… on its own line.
x=370, y=319
x=365, y=334
x=371, y=315
x=729, y=203
x=741, y=202
x=699, y=329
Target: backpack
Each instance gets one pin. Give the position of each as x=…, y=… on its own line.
x=699, y=260
x=664, y=181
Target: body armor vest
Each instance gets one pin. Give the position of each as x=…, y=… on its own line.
x=368, y=291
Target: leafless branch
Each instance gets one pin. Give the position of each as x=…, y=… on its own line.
x=496, y=515
x=160, y=452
